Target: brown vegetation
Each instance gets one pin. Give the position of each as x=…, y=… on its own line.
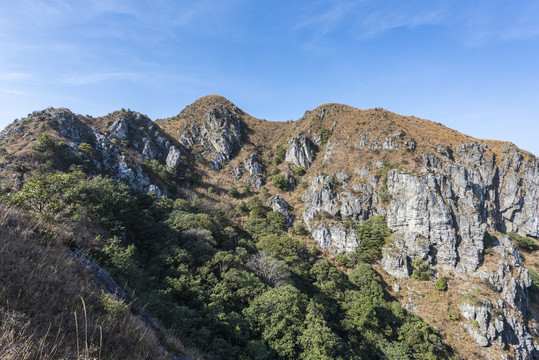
x=49, y=306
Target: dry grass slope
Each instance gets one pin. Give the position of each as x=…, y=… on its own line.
x=49, y=306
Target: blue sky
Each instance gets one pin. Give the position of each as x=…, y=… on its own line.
x=471, y=65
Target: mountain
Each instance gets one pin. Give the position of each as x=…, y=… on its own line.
x=462, y=218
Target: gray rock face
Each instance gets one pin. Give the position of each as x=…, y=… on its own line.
x=391, y=142
x=300, y=152
x=504, y=322
x=220, y=135
x=252, y=165
x=335, y=237
x=363, y=172
x=319, y=197
x=277, y=203
x=174, y=157
x=440, y=216
x=418, y=211
x=324, y=206
x=443, y=215
x=395, y=262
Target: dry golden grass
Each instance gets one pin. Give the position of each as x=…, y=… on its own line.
x=49, y=306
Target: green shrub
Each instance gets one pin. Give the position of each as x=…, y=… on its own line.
x=325, y=134
x=86, y=149
x=363, y=274
x=242, y=207
x=299, y=230
x=264, y=191
x=164, y=172
x=280, y=182
x=275, y=171
x=45, y=144
x=45, y=194
x=245, y=190
x=112, y=306
x=280, y=154
x=421, y=270
x=441, y=284
x=299, y=171
x=522, y=242
x=534, y=289
x=254, y=203
x=233, y=192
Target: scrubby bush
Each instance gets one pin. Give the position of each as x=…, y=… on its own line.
x=298, y=230
x=421, y=270
x=276, y=219
x=45, y=194
x=280, y=182
x=242, y=207
x=280, y=154
x=522, y=242
x=245, y=190
x=233, y=192
x=325, y=134
x=299, y=171
x=86, y=149
x=441, y=284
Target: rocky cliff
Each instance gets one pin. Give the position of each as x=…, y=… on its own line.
x=439, y=191
x=118, y=145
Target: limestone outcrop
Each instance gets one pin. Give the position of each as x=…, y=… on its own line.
x=219, y=132
x=300, y=152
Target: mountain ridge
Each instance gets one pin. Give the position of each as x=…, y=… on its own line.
x=443, y=194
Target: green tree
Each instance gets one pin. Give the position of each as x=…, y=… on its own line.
x=373, y=234
x=325, y=134
x=318, y=341
x=44, y=194
x=119, y=256
x=522, y=242
x=278, y=315
x=276, y=219
x=86, y=149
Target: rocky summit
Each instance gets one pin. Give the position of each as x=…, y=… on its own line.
x=458, y=209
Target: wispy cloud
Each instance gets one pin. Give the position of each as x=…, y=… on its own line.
x=366, y=18
x=97, y=78
x=473, y=23
x=326, y=19
x=15, y=76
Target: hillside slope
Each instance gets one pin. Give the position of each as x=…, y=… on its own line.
x=455, y=205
